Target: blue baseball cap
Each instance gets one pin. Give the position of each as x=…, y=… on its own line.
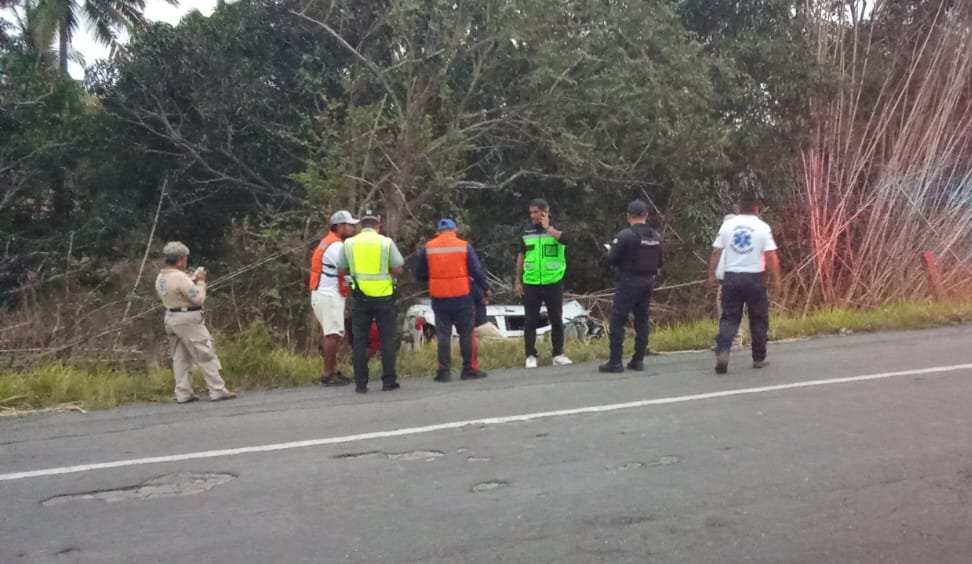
x=447, y=223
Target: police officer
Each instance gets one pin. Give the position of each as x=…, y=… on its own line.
x=190, y=341
x=451, y=267
x=373, y=261
x=540, y=268
x=745, y=252
x=328, y=293
x=637, y=254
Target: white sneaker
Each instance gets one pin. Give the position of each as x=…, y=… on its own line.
x=562, y=360
x=531, y=362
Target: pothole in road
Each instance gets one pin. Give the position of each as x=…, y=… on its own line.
x=169, y=485
x=631, y=466
x=663, y=461
x=426, y=455
x=489, y=486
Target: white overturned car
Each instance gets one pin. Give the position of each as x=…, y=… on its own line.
x=503, y=322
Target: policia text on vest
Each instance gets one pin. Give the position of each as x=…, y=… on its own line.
x=373, y=261
x=540, y=266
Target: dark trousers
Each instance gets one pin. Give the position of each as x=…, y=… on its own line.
x=461, y=317
x=364, y=311
x=744, y=289
x=631, y=297
x=479, y=302
x=533, y=297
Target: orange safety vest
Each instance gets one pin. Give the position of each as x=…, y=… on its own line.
x=448, y=257
x=317, y=264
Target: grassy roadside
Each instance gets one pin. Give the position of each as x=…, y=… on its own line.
x=251, y=361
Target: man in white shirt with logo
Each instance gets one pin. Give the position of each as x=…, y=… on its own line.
x=744, y=253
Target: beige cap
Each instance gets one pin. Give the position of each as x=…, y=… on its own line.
x=174, y=250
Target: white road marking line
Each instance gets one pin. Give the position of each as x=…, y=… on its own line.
x=460, y=424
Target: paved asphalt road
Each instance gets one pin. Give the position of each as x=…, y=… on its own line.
x=854, y=470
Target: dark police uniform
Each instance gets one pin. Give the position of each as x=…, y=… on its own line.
x=637, y=254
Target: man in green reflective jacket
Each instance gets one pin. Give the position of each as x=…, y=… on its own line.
x=540, y=268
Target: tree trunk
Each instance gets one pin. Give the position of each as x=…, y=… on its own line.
x=62, y=48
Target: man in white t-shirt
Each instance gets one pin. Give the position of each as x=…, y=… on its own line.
x=737, y=340
x=743, y=255
x=328, y=293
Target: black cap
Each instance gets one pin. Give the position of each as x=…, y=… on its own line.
x=637, y=208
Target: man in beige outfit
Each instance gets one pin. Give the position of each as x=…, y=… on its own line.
x=191, y=342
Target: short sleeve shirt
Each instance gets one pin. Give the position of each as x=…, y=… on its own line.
x=329, y=269
x=743, y=240
x=395, y=258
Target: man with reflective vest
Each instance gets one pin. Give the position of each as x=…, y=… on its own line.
x=451, y=266
x=373, y=261
x=328, y=293
x=636, y=252
x=540, y=268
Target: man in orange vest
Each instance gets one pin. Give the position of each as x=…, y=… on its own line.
x=451, y=267
x=328, y=293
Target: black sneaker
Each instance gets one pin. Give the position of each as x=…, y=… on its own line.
x=335, y=380
x=637, y=366
x=610, y=368
x=443, y=376
x=391, y=387
x=722, y=362
x=470, y=374
x=760, y=363
x=361, y=389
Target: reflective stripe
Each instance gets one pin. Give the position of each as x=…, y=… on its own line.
x=443, y=250
x=349, y=255
x=544, y=259
x=370, y=252
x=385, y=251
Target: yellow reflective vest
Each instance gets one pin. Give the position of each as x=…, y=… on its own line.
x=368, y=253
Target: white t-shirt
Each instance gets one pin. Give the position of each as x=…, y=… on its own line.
x=743, y=240
x=329, y=270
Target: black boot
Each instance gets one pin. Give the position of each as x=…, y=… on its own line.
x=442, y=375
x=722, y=362
x=611, y=368
x=470, y=374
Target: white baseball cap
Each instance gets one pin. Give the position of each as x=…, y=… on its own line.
x=343, y=216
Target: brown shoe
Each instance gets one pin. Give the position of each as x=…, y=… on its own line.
x=189, y=399
x=760, y=363
x=222, y=395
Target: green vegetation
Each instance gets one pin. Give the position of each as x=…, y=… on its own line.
x=239, y=133
x=251, y=362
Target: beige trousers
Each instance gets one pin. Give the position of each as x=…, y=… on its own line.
x=191, y=342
